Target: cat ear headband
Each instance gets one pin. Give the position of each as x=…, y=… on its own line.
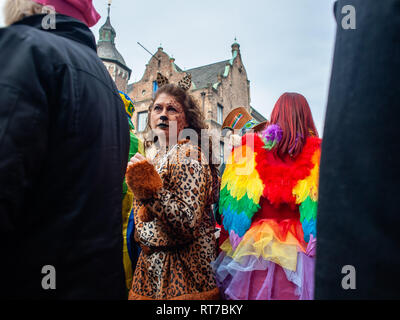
x=185, y=83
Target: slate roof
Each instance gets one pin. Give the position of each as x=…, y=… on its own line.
x=108, y=51
x=204, y=75
x=177, y=68
x=106, y=46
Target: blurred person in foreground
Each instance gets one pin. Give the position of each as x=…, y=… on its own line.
x=358, y=214
x=64, y=145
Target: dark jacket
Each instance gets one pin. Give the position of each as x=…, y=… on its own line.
x=358, y=209
x=64, y=143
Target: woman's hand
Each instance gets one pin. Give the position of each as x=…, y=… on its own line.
x=136, y=158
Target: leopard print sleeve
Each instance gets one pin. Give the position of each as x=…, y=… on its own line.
x=181, y=206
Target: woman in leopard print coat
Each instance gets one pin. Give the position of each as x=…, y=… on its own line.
x=174, y=193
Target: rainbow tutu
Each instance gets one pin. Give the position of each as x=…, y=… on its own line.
x=271, y=262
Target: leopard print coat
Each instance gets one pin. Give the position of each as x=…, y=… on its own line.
x=178, y=241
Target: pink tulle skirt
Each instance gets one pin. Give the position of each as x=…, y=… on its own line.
x=254, y=278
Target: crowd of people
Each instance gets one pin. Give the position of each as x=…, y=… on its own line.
x=161, y=219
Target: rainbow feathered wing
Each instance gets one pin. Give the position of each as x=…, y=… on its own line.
x=269, y=208
x=248, y=176
x=306, y=194
x=241, y=190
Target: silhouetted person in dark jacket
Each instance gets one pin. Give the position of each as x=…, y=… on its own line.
x=358, y=211
x=64, y=143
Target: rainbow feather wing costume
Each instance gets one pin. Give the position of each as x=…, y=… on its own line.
x=241, y=189
x=306, y=193
x=272, y=249
x=252, y=172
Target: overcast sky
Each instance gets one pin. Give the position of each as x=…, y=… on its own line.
x=286, y=45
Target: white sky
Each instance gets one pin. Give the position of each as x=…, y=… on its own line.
x=286, y=45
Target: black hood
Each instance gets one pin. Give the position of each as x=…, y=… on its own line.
x=66, y=27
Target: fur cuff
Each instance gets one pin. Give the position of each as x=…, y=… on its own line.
x=143, y=179
x=145, y=215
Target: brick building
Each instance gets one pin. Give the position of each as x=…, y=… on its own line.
x=218, y=87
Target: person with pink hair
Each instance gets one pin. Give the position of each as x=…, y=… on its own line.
x=268, y=201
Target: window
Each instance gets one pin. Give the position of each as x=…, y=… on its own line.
x=155, y=87
x=221, y=152
x=142, y=121
x=220, y=114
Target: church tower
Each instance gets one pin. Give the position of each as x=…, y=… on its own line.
x=110, y=56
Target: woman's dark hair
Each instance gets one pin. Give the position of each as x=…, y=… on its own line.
x=194, y=119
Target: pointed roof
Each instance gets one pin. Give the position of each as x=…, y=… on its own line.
x=205, y=75
x=106, y=48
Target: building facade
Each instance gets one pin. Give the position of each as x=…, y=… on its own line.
x=218, y=87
